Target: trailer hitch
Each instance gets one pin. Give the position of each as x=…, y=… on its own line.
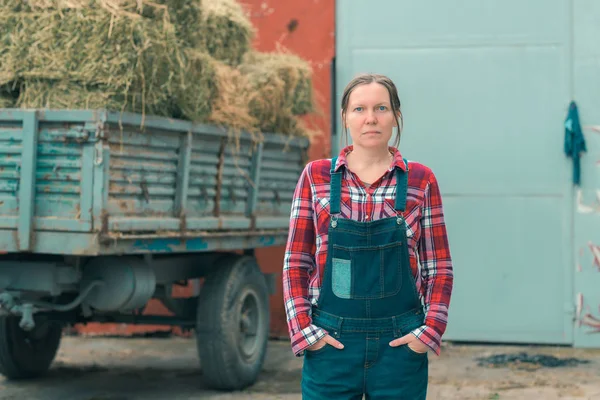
x=7, y=302
x=8, y=305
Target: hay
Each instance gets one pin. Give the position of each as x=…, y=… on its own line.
x=186, y=16
x=196, y=86
x=231, y=106
x=220, y=28
x=7, y=97
x=103, y=44
x=64, y=94
x=285, y=76
x=6, y=102
x=283, y=86
x=226, y=33
x=188, y=59
x=263, y=94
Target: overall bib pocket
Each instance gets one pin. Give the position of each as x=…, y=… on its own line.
x=366, y=272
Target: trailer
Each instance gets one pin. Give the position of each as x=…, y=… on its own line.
x=100, y=212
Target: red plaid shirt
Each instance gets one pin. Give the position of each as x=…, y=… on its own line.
x=306, y=251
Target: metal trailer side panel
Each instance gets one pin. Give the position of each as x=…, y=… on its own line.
x=45, y=174
x=90, y=182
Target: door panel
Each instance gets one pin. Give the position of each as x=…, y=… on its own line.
x=485, y=88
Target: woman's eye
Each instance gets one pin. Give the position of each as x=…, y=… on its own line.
x=358, y=109
x=382, y=108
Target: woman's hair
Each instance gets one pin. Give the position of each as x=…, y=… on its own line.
x=365, y=79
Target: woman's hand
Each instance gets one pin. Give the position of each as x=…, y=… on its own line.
x=411, y=341
x=324, y=341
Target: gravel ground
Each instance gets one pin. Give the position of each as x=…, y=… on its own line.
x=168, y=368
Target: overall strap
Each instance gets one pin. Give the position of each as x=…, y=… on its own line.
x=401, y=187
x=335, y=188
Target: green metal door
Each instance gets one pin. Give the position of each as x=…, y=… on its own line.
x=485, y=86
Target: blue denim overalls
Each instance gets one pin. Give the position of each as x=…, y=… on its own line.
x=368, y=298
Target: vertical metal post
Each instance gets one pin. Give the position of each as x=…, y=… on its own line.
x=183, y=174
x=93, y=131
x=27, y=180
x=87, y=182
x=255, y=183
x=219, y=187
x=101, y=185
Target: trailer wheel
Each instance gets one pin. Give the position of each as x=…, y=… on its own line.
x=27, y=354
x=232, y=324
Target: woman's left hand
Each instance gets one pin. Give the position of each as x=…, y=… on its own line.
x=411, y=341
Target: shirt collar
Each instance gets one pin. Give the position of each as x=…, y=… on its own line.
x=398, y=161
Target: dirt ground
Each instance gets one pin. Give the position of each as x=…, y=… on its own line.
x=168, y=368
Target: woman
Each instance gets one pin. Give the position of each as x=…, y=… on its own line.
x=358, y=307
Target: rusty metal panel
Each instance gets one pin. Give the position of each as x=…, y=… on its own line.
x=10, y=174
x=133, y=176
x=176, y=178
x=203, y=178
x=63, y=198
x=155, y=244
x=280, y=168
x=143, y=172
x=219, y=177
x=235, y=179
x=53, y=242
x=41, y=156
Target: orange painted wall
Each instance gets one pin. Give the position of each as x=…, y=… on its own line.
x=306, y=28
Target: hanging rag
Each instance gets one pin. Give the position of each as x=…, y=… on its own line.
x=574, y=141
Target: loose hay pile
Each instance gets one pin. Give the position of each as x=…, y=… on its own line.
x=189, y=59
x=106, y=49
x=226, y=32
x=283, y=84
x=231, y=106
x=65, y=94
x=6, y=97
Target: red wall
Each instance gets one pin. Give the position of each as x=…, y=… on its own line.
x=306, y=28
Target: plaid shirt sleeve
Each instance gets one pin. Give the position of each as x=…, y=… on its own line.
x=434, y=253
x=299, y=263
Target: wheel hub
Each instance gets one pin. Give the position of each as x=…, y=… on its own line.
x=248, y=324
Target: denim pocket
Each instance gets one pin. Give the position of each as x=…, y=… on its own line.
x=341, y=277
x=366, y=273
x=319, y=351
x=414, y=353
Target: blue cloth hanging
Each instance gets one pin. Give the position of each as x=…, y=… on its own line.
x=574, y=141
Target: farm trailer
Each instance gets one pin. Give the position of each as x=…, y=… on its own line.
x=101, y=212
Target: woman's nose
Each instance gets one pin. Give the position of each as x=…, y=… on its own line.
x=371, y=118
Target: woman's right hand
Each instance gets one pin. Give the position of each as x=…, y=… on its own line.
x=325, y=341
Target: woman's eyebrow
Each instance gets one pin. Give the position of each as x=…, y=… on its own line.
x=385, y=103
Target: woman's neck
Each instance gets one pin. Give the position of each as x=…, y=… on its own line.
x=363, y=157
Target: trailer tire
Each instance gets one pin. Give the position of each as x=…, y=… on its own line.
x=233, y=304
x=25, y=354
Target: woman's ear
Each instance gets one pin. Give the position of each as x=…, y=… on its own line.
x=398, y=118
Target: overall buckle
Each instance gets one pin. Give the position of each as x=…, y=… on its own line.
x=334, y=219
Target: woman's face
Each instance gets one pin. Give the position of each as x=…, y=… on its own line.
x=369, y=116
